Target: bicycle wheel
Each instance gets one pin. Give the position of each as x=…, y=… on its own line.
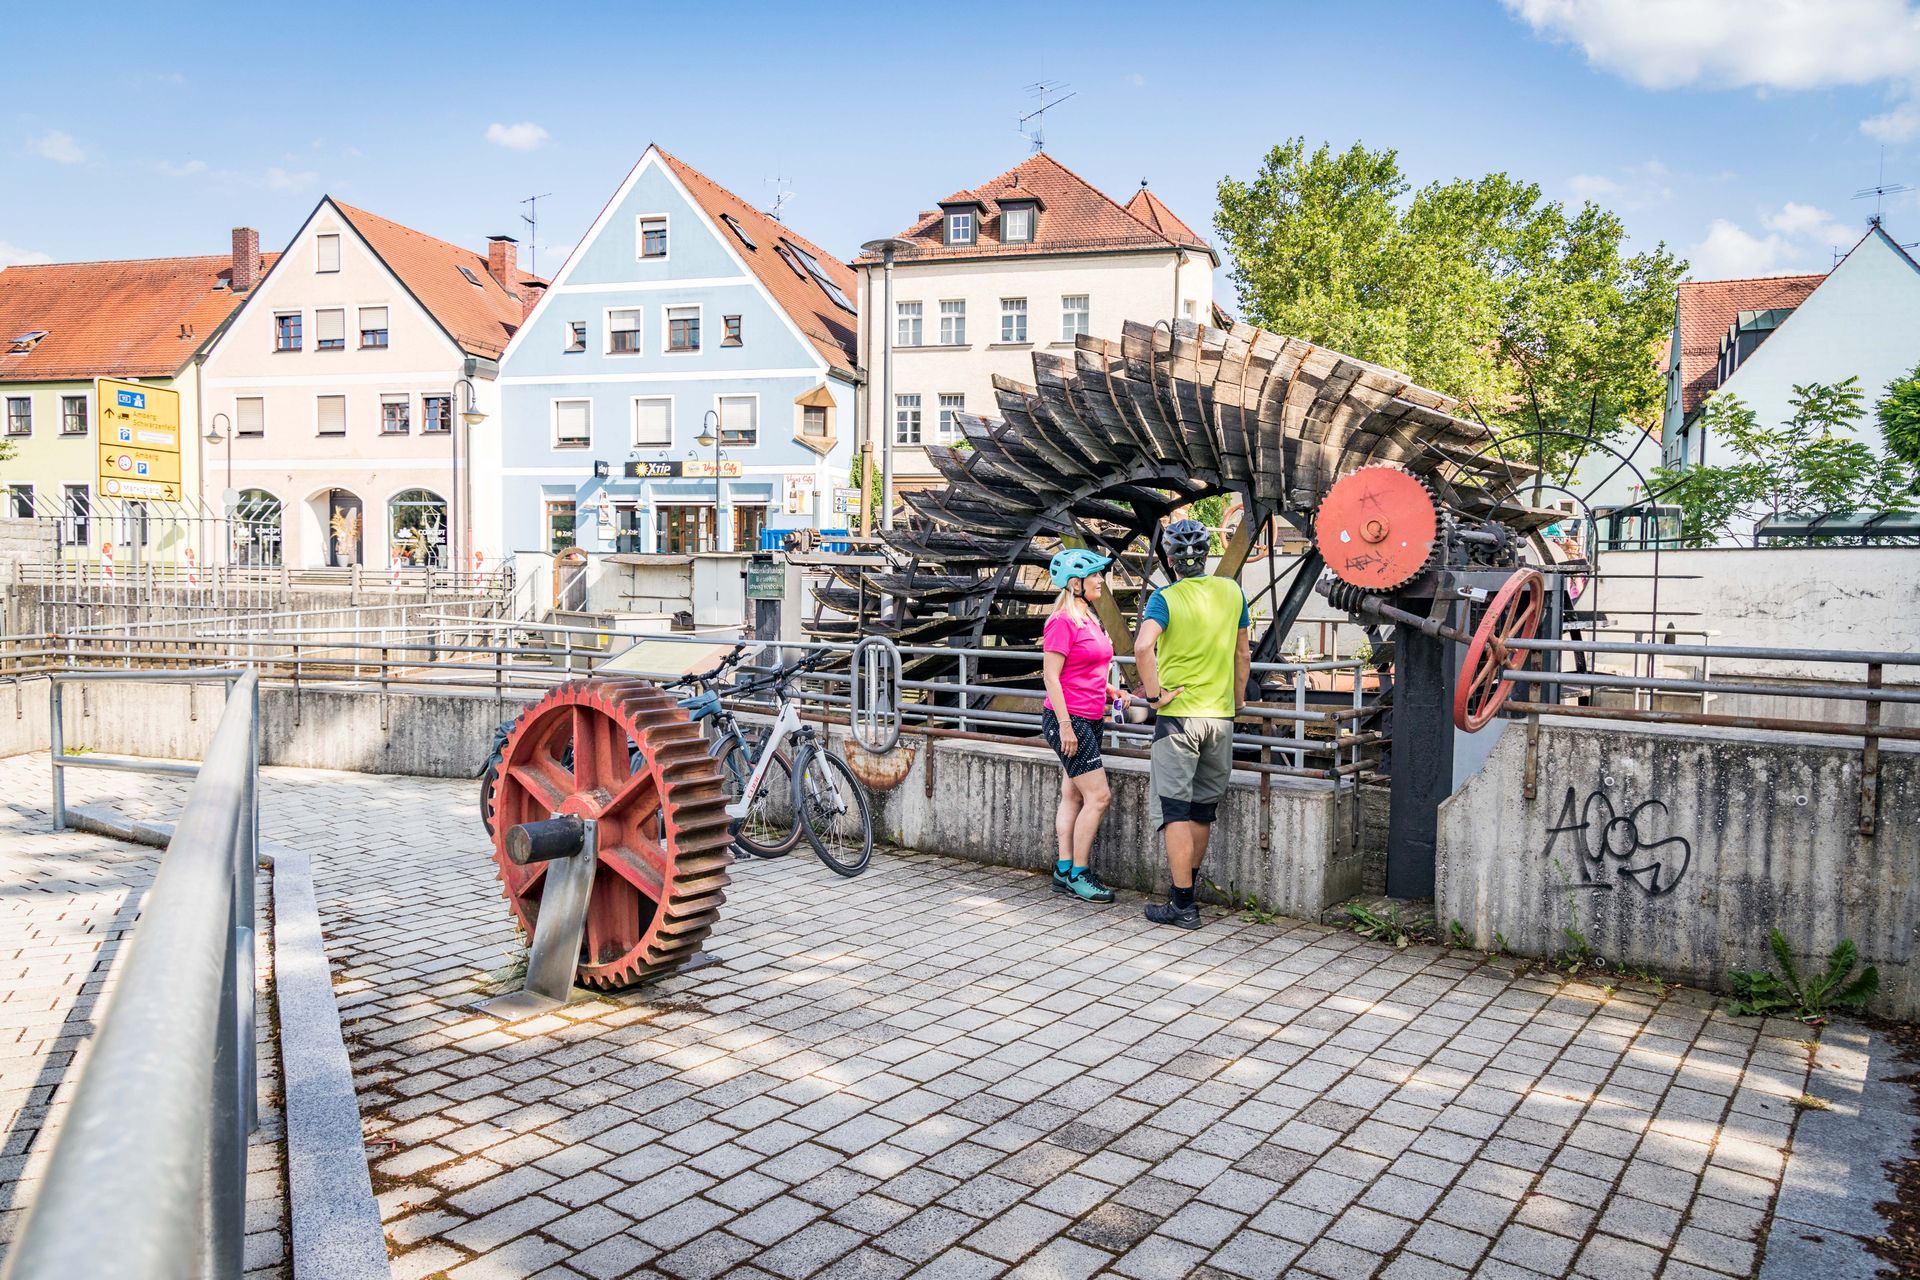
x=833, y=810
x=768, y=830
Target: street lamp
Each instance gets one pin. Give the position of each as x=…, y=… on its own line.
x=886, y=248
x=469, y=417
x=213, y=436
x=709, y=437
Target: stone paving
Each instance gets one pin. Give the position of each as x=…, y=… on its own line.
x=68, y=901
x=941, y=1069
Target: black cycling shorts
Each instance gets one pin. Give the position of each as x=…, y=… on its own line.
x=1086, y=758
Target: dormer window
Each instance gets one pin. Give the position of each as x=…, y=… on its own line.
x=1016, y=224
x=960, y=226
x=26, y=342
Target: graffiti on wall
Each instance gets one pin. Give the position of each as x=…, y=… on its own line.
x=1616, y=847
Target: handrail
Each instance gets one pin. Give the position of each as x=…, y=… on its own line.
x=157, y=1132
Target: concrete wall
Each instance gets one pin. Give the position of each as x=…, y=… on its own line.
x=1678, y=851
x=994, y=803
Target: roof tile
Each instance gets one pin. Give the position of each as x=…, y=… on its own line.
x=481, y=319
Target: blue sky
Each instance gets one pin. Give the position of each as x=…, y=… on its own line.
x=1734, y=130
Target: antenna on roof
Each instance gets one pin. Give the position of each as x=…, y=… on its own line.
x=1881, y=190
x=780, y=196
x=1040, y=91
x=532, y=219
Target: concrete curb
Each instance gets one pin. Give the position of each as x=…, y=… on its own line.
x=337, y=1233
x=336, y=1229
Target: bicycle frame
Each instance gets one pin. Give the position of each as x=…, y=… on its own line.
x=785, y=724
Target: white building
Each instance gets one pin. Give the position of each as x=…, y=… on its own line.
x=1019, y=264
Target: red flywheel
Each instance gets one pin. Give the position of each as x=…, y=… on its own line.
x=621, y=752
x=1512, y=614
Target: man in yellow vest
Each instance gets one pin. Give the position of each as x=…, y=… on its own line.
x=1193, y=659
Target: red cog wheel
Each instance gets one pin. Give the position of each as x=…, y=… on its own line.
x=663, y=835
x=1378, y=527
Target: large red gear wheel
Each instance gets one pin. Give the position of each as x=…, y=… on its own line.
x=1512, y=614
x=1378, y=527
x=663, y=835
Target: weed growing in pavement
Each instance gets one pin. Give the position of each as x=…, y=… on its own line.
x=1807, y=1102
x=1758, y=992
x=1384, y=926
x=1457, y=935
x=1578, y=953
x=1499, y=944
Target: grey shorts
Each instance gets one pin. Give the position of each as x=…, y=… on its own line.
x=1192, y=758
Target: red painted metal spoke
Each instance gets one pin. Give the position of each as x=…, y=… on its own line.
x=636, y=798
x=614, y=917
x=545, y=780
x=593, y=750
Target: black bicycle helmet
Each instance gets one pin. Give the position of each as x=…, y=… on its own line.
x=1186, y=544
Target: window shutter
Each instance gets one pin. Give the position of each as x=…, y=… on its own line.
x=333, y=415
x=329, y=252
x=573, y=419
x=626, y=321
x=373, y=317
x=250, y=413
x=736, y=415
x=652, y=422
x=330, y=326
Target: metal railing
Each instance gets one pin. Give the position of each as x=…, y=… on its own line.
x=148, y=1175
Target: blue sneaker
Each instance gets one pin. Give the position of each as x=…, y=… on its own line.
x=1082, y=884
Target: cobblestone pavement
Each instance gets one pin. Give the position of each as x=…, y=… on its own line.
x=942, y=1069
x=68, y=902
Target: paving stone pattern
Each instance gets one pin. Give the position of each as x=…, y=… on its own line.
x=68, y=903
x=940, y=1069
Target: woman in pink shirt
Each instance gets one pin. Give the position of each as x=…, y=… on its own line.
x=1076, y=655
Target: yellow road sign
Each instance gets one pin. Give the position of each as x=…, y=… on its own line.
x=139, y=439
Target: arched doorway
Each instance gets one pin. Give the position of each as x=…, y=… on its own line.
x=345, y=529
x=257, y=530
x=417, y=527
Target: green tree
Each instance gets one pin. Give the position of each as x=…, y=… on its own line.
x=1534, y=316
x=1899, y=415
x=1810, y=465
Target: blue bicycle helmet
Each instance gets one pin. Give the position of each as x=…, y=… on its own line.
x=1075, y=562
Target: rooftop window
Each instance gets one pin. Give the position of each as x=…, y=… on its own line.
x=733, y=224
x=472, y=279
x=26, y=341
x=820, y=276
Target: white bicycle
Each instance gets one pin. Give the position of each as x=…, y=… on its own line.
x=829, y=801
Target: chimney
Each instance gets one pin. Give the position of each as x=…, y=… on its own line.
x=530, y=295
x=503, y=253
x=246, y=259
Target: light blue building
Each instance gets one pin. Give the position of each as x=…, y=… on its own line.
x=682, y=310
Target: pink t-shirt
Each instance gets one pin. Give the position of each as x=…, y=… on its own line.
x=1089, y=653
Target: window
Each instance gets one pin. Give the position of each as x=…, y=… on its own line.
x=330, y=330
x=286, y=331
x=740, y=420
x=953, y=324
x=653, y=236
x=793, y=263
x=417, y=527
x=393, y=414
x=733, y=224
x=331, y=415
x=749, y=522
x=729, y=331
x=951, y=404
x=250, y=416
x=256, y=529
x=73, y=415
x=20, y=501
x=960, y=227
x=623, y=331
x=373, y=326
x=576, y=335
x=326, y=253
x=1189, y=307
x=1073, y=316
x=821, y=278
x=133, y=523
x=560, y=521
x=813, y=421
x=683, y=328
x=1013, y=319
x=1016, y=225
x=652, y=420
x=908, y=332
x=79, y=511
x=472, y=279
x=906, y=419
x=572, y=424
x=19, y=416
x=436, y=414
x=683, y=530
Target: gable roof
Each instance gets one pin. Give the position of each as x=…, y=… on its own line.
x=113, y=319
x=1149, y=208
x=826, y=325
x=1078, y=218
x=1707, y=307
x=480, y=319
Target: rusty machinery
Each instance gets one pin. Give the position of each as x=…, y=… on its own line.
x=1113, y=437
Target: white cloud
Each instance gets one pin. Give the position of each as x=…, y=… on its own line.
x=1137, y=80
x=1902, y=124
x=1797, y=237
x=1633, y=187
x=1775, y=44
x=290, y=180
x=12, y=255
x=58, y=146
x=186, y=170
x=524, y=136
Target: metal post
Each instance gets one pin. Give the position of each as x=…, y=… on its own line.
x=58, y=748
x=886, y=394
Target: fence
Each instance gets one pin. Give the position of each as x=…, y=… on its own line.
x=148, y=1175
